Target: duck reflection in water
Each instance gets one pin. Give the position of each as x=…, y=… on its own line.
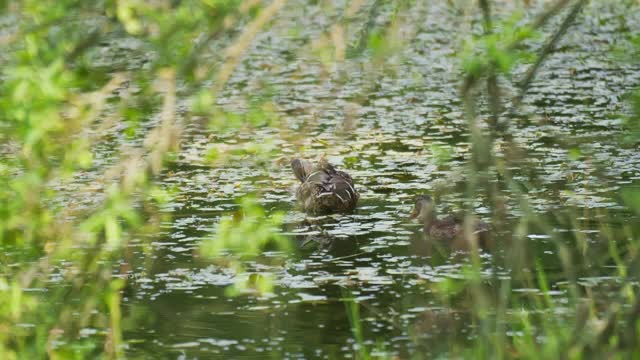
x=315, y=235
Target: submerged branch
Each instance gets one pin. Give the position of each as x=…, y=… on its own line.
x=486, y=14
x=550, y=13
x=540, y=21
x=548, y=48
x=85, y=44
x=363, y=36
x=493, y=89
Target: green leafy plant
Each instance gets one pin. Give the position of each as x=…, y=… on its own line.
x=247, y=234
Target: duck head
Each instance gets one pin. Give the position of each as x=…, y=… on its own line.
x=424, y=210
x=301, y=169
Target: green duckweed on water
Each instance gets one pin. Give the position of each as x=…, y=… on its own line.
x=148, y=207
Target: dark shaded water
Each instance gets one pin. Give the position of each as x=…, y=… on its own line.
x=385, y=123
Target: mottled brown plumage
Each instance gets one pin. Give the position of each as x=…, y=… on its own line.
x=450, y=229
x=323, y=189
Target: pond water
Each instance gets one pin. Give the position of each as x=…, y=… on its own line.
x=384, y=120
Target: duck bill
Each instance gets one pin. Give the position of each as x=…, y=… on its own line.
x=414, y=213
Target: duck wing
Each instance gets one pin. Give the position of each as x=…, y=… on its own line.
x=447, y=228
x=328, y=190
x=328, y=181
x=478, y=226
x=341, y=184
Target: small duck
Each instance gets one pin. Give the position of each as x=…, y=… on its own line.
x=324, y=189
x=449, y=229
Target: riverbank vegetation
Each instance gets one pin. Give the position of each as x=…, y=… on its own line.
x=145, y=194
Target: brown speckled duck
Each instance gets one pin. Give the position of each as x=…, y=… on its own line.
x=449, y=229
x=324, y=189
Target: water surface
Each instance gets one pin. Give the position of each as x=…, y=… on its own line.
x=385, y=122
